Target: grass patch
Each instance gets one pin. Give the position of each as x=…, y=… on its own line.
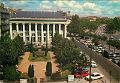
x=39, y=58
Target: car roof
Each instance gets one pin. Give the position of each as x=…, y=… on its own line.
x=95, y=73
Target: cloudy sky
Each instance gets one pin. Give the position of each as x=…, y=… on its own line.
x=110, y=8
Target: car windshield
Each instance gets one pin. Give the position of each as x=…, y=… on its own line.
x=95, y=75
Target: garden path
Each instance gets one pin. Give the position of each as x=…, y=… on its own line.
x=39, y=67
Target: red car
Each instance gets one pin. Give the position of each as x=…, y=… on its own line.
x=84, y=74
x=77, y=75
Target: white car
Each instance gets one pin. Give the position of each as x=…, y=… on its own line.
x=94, y=76
x=93, y=64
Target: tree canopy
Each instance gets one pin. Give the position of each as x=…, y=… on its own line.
x=67, y=53
x=79, y=26
x=10, y=50
x=113, y=25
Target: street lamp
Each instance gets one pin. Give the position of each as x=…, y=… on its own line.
x=90, y=59
x=90, y=64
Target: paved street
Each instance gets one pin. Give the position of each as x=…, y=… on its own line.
x=99, y=68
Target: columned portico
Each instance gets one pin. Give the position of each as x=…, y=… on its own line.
x=53, y=30
x=42, y=35
x=36, y=27
x=36, y=34
x=30, y=37
x=24, y=32
x=17, y=28
x=42, y=42
x=47, y=36
x=65, y=31
x=59, y=29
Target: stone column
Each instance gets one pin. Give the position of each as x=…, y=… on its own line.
x=65, y=31
x=17, y=28
x=30, y=37
x=42, y=35
x=11, y=31
x=59, y=29
x=47, y=33
x=36, y=34
x=53, y=30
x=24, y=32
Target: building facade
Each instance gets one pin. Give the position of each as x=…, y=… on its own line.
x=38, y=26
x=4, y=19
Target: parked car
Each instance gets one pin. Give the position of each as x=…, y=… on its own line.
x=94, y=76
x=85, y=73
x=77, y=75
x=93, y=64
x=85, y=69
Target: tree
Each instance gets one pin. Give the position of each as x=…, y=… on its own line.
x=30, y=48
x=18, y=42
x=113, y=25
x=31, y=71
x=116, y=24
x=74, y=26
x=67, y=53
x=8, y=51
x=48, y=69
x=10, y=73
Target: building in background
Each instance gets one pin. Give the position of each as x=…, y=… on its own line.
x=4, y=19
x=38, y=26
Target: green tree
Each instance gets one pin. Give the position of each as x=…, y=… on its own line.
x=113, y=25
x=116, y=24
x=31, y=71
x=30, y=48
x=10, y=73
x=48, y=69
x=8, y=51
x=74, y=26
x=18, y=42
x=67, y=53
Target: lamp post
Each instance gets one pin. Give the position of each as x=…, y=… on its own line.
x=90, y=63
x=90, y=57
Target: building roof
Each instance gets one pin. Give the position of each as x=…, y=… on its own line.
x=38, y=14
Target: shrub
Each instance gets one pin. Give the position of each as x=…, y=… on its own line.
x=48, y=69
x=31, y=71
x=10, y=73
x=56, y=76
x=24, y=76
x=65, y=74
x=69, y=67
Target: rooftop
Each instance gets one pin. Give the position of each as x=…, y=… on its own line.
x=38, y=14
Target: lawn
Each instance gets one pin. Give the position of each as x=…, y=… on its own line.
x=39, y=58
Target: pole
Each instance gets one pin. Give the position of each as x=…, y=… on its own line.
x=110, y=76
x=90, y=66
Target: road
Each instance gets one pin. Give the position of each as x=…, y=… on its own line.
x=100, y=67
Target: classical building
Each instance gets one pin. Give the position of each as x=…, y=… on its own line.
x=4, y=19
x=38, y=26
